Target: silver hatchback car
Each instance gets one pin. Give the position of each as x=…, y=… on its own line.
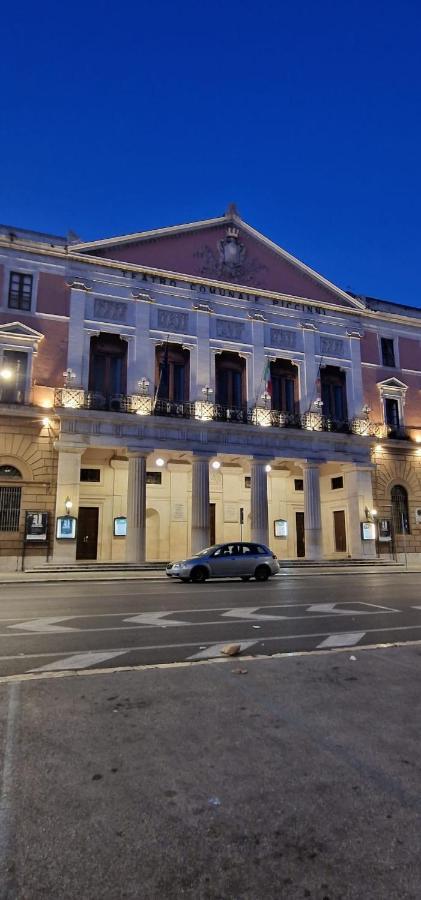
x=241, y=559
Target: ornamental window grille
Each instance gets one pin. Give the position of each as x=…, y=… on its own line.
x=10, y=500
x=400, y=510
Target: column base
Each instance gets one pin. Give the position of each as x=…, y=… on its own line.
x=200, y=539
x=313, y=543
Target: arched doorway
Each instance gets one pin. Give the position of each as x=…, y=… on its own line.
x=400, y=509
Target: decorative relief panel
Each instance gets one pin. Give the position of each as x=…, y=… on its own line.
x=229, y=330
x=331, y=346
x=285, y=339
x=110, y=310
x=173, y=320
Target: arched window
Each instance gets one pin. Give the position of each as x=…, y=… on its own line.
x=400, y=512
x=9, y=472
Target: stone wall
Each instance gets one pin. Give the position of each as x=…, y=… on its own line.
x=28, y=445
x=399, y=463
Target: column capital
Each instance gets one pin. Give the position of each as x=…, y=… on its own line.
x=311, y=463
x=204, y=455
x=69, y=448
x=138, y=453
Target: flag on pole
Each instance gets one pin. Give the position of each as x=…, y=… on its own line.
x=267, y=378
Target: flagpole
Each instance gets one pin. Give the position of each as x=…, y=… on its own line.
x=161, y=369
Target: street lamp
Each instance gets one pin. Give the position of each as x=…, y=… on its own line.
x=206, y=390
x=143, y=385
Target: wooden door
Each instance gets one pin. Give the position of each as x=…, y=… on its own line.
x=299, y=526
x=87, y=533
x=211, y=523
x=340, y=531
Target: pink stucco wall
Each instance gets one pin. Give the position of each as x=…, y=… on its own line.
x=53, y=294
x=370, y=348
x=51, y=360
x=410, y=354
x=371, y=378
x=197, y=253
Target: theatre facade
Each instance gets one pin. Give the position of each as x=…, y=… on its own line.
x=165, y=390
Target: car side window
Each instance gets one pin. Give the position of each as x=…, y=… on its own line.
x=260, y=549
x=230, y=550
x=246, y=549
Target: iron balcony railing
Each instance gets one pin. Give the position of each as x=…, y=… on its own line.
x=77, y=398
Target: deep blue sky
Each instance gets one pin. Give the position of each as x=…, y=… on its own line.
x=117, y=118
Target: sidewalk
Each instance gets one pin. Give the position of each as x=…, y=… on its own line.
x=84, y=575
x=276, y=779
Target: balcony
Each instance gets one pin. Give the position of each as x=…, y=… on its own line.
x=204, y=410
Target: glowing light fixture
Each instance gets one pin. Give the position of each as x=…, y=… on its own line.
x=46, y=422
x=216, y=464
x=159, y=461
x=268, y=468
x=6, y=374
x=68, y=505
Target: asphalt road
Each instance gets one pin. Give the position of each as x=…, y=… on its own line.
x=56, y=627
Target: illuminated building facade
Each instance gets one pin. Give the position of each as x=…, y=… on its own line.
x=194, y=384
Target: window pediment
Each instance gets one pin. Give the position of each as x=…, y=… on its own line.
x=394, y=385
x=17, y=332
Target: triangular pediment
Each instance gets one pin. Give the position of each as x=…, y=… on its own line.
x=19, y=330
x=224, y=249
x=393, y=383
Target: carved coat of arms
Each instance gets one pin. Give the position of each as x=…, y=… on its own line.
x=230, y=262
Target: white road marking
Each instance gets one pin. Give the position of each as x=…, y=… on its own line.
x=215, y=650
x=249, y=612
x=341, y=640
x=155, y=618
x=46, y=625
x=80, y=660
x=331, y=607
x=6, y=802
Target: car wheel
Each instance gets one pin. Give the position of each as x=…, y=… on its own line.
x=199, y=575
x=245, y=577
x=262, y=573
x=185, y=580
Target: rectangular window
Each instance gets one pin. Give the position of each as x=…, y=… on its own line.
x=153, y=477
x=337, y=483
x=298, y=484
x=247, y=481
x=388, y=352
x=20, y=291
x=92, y=475
x=10, y=498
x=391, y=412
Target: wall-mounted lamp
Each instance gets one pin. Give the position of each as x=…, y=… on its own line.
x=68, y=505
x=160, y=462
x=268, y=468
x=6, y=374
x=216, y=464
x=318, y=404
x=46, y=422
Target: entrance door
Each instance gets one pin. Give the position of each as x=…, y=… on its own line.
x=299, y=526
x=340, y=531
x=87, y=533
x=211, y=523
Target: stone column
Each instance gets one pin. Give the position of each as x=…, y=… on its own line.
x=359, y=493
x=312, y=510
x=136, y=507
x=310, y=370
x=76, y=345
x=259, y=501
x=68, y=485
x=200, y=524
